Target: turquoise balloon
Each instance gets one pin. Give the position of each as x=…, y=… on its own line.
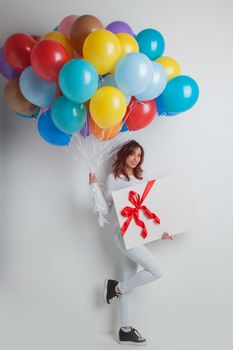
x=78, y=80
x=151, y=43
x=157, y=84
x=68, y=116
x=133, y=73
x=181, y=94
x=109, y=80
x=38, y=91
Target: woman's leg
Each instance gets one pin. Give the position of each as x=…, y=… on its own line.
x=128, y=269
x=151, y=270
x=141, y=256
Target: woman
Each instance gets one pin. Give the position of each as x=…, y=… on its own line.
x=127, y=172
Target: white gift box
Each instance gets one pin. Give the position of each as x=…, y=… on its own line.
x=170, y=199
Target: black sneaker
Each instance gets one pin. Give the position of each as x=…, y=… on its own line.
x=132, y=337
x=109, y=290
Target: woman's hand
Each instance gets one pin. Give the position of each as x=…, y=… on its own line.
x=166, y=235
x=92, y=178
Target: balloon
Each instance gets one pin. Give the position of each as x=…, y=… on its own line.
x=49, y=132
x=68, y=116
x=160, y=108
x=128, y=44
x=120, y=27
x=66, y=24
x=81, y=28
x=139, y=114
x=107, y=106
x=124, y=127
x=151, y=43
x=6, y=70
x=17, y=50
x=85, y=131
x=171, y=66
x=36, y=90
x=181, y=94
x=15, y=99
x=102, y=49
x=133, y=73
x=109, y=80
x=47, y=59
x=78, y=80
x=61, y=39
x=157, y=84
x=33, y=116
x=104, y=134
x=36, y=37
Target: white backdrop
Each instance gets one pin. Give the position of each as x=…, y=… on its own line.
x=54, y=258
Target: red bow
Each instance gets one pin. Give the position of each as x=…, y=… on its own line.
x=131, y=213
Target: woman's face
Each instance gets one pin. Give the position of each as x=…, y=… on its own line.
x=134, y=158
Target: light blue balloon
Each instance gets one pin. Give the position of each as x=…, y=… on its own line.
x=181, y=94
x=68, y=116
x=151, y=43
x=109, y=80
x=78, y=80
x=133, y=73
x=49, y=132
x=157, y=84
x=36, y=90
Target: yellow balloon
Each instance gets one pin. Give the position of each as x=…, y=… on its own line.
x=128, y=44
x=171, y=66
x=102, y=48
x=62, y=39
x=107, y=106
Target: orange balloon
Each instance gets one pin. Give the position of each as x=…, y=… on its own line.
x=104, y=134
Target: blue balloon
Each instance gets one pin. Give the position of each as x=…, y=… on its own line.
x=108, y=80
x=78, y=80
x=181, y=94
x=68, y=116
x=36, y=90
x=124, y=127
x=133, y=73
x=160, y=108
x=49, y=132
x=157, y=84
x=151, y=43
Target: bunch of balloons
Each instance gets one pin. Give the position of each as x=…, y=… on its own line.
x=86, y=78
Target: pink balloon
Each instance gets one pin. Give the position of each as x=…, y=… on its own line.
x=66, y=24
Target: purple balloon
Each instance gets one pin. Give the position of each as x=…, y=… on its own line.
x=6, y=70
x=120, y=27
x=85, y=131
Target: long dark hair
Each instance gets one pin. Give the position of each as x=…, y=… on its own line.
x=119, y=164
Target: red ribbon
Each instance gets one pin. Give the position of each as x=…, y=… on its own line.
x=131, y=213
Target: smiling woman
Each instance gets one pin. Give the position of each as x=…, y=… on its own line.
x=127, y=171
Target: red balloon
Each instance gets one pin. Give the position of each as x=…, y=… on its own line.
x=47, y=58
x=139, y=114
x=17, y=50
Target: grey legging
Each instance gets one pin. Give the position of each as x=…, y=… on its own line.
x=131, y=279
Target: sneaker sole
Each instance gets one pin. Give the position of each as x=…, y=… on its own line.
x=131, y=343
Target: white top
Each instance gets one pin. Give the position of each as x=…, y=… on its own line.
x=114, y=184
